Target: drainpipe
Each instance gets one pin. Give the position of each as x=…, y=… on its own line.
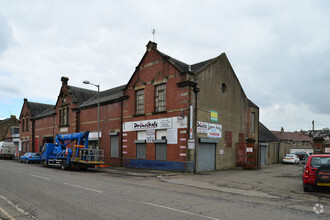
x=196, y=90
x=278, y=151
x=121, y=133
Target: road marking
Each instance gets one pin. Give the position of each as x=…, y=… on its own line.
x=178, y=210
x=15, y=206
x=82, y=187
x=6, y=214
x=41, y=177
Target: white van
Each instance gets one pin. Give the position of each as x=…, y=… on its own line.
x=7, y=150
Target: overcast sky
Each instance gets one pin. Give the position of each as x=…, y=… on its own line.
x=280, y=50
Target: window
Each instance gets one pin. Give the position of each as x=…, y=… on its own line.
x=139, y=102
x=160, y=151
x=160, y=98
x=23, y=125
x=252, y=122
x=228, y=138
x=64, y=116
x=27, y=145
x=27, y=124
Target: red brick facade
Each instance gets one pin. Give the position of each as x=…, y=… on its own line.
x=154, y=129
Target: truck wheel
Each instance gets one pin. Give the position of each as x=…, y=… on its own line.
x=307, y=189
x=43, y=163
x=63, y=165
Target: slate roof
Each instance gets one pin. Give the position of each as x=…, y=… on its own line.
x=183, y=67
x=6, y=124
x=80, y=95
x=266, y=135
x=105, y=97
x=38, y=108
x=291, y=136
x=251, y=104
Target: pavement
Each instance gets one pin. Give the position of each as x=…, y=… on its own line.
x=272, y=181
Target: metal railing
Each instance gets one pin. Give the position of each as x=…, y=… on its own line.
x=90, y=155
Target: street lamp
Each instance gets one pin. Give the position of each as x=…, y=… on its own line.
x=98, y=111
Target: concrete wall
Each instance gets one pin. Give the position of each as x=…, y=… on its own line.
x=230, y=102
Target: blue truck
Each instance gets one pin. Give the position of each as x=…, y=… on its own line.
x=60, y=155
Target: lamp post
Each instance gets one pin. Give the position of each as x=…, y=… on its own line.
x=98, y=111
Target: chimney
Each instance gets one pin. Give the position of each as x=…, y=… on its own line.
x=64, y=80
x=151, y=46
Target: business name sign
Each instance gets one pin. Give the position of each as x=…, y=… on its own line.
x=163, y=123
x=212, y=130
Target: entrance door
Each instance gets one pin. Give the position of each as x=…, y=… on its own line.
x=206, y=157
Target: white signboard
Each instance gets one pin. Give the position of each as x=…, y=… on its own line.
x=93, y=136
x=164, y=123
x=212, y=130
x=249, y=149
x=191, y=144
x=172, y=136
x=150, y=135
x=327, y=150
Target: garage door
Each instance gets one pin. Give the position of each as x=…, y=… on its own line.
x=206, y=157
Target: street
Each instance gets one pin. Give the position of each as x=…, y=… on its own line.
x=29, y=191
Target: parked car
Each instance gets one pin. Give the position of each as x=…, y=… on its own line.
x=291, y=158
x=30, y=157
x=302, y=155
x=317, y=172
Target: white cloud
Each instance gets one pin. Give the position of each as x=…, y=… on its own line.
x=279, y=50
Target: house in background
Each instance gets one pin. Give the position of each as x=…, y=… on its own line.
x=9, y=131
x=291, y=142
x=268, y=146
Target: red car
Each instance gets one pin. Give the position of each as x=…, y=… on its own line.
x=317, y=171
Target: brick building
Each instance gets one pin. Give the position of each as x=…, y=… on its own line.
x=167, y=116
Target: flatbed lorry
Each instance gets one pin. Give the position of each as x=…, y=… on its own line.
x=59, y=154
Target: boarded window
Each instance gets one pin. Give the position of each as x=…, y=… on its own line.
x=228, y=138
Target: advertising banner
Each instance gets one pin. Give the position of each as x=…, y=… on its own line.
x=212, y=130
x=163, y=123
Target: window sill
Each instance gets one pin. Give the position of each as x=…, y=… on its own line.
x=138, y=115
x=155, y=113
x=60, y=126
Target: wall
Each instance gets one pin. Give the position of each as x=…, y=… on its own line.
x=231, y=105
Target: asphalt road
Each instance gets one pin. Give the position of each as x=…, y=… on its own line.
x=29, y=191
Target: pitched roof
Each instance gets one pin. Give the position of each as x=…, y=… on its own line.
x=291, y=136
x=6, y=124
x=183, y=67
x=105, y=97
x=38, y=108
x=251, y=104
x=80, y=95
x=266, y=135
